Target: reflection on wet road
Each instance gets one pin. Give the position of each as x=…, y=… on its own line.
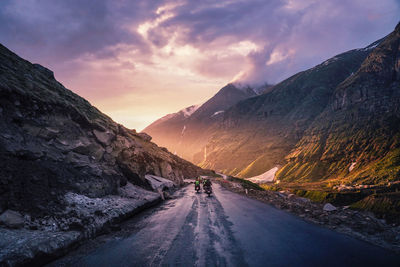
x=227, y=229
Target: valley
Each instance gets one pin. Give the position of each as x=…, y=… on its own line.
x=329, y=130
x=290, y=109
x=336, y=122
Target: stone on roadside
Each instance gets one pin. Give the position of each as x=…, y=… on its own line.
x=281, y=194
x=12, y=219
x=157, y=182
x=303, y=200
x=329, y=207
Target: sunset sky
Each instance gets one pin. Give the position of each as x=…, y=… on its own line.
x=139, y=60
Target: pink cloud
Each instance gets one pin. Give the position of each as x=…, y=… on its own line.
x=137, y=60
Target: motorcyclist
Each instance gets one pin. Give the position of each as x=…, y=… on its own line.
x=197, y=184
x=207, y=183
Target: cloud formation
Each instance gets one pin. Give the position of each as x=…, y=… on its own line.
x=137, y=60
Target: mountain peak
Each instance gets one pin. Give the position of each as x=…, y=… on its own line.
x=237, y=87
x=256, y=88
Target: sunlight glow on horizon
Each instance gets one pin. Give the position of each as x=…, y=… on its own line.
x=139, y=60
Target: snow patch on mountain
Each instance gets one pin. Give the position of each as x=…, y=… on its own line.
x=218, y=112
x=329, y=61
x=353, y=164
x=372, y=46
x=267, y=176
x=187, y=112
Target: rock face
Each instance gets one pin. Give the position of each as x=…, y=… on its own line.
x=360, y=123
x=52, y=142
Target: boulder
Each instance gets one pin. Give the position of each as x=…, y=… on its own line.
x=145, y=136
x=12, y=219
x=329, y=207
x=157, y=182
x=103, y=137
x=90, y=149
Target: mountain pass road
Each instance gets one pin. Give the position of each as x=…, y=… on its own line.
x=228, y=229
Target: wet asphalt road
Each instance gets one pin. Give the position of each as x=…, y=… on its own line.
x=230, y=230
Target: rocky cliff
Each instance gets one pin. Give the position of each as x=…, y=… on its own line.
x=52, y=141
x=356, y=137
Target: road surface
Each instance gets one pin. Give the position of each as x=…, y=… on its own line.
x=228, y=229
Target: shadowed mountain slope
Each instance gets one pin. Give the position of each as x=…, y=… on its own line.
x=257, y=133
x=52, y=141
x=357, y=136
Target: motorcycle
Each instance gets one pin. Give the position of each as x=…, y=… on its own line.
x=208, y=190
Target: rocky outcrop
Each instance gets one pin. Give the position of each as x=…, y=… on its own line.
x=64, y=165
x=53, y=141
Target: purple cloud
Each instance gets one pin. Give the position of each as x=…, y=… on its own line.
x=304, y=32
x=124, y=54
x=59, y=30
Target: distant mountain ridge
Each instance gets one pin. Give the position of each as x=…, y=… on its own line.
x=292, y=124
x=257, y=133
x=185, y=132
